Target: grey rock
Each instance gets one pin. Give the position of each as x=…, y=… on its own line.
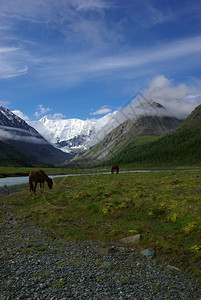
x=150, y=253
x=131, y=239
x=173, y=268
x=105, y=250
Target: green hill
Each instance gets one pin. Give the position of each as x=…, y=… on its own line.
x=180, y=146
x=122, y=142
x=9, y=156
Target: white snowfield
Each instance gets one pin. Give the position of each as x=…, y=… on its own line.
x=78, y=135
x=57, y=130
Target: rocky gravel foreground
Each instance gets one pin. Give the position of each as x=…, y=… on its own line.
x=33, y=266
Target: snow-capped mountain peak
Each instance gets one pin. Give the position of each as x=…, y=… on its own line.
x=57, y=130
x=7, y=118
x=25, y=142
x=72, y=134
x=75, y=135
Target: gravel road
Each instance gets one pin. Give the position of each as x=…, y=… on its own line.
x=34, y=266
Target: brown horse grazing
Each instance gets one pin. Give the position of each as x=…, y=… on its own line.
x=41, y=177
x=114, y=168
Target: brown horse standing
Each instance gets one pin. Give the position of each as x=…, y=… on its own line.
x=114, y=168
x=41, y=177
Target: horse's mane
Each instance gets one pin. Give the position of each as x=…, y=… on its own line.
x=41, y=171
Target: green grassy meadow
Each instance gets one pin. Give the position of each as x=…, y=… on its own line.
x=109, y=207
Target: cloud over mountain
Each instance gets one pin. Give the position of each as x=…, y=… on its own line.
x=180, y=100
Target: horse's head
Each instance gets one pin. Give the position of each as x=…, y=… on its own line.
x=50, y=183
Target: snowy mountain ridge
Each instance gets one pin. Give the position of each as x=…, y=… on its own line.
x=76, y=135
x=57, y=130
x=73, y=134
x=25, y=143
x=7, y=118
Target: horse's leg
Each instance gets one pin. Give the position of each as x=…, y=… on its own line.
x=42, y=187
x=34, y=189
x=30, y=187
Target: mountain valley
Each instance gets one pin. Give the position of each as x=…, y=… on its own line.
x=168, y=142
x=124, y=137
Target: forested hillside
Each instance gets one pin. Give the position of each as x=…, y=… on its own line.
x=124, y=140
x=148, y=140
x=180, y=146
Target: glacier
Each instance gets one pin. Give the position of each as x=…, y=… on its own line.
x=74, y=135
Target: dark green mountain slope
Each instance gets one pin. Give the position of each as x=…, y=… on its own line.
x=9, y=156
x=181, y=146
x=129, y=135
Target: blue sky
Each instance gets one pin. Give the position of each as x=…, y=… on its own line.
x=84, y=58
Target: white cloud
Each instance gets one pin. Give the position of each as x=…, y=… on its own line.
x=74, y=28
x=72, y=69
x=91, y=4
x=165, y=52
x=180, y=100
x=103, y=110
x=41, y=110
x=59, y=115
x=174, y=98
x=21, y=115
x=7, y=49
x=12, y=133
x=4, y=103
x=193, y=97
x=87, y=35
x=12, y=63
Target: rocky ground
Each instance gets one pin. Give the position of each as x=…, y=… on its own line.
x=6, y=190
x=33, y=266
